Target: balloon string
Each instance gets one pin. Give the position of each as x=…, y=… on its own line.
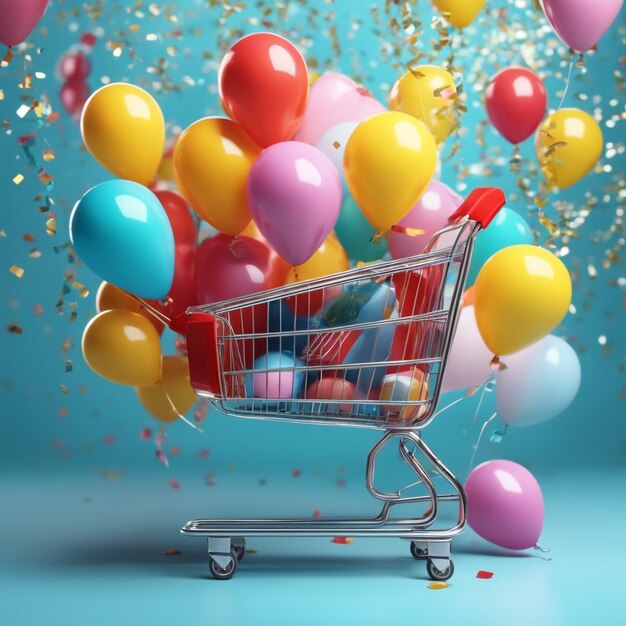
x=482, y=392
x=569, y=75
x=449, y=406
x=154, y=312
x=480, y=436
x=182, y=417
x=543, y=551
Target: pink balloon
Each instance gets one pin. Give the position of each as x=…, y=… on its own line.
x=469, y=359
x=294, y=194
x=230, y=267
x=505, y=504
x=430, y=213
x=334, y=99
x=581, y=23
x=18, y=18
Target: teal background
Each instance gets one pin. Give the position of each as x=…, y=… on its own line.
x=77, y=460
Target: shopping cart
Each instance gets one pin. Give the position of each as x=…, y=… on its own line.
x=363, y=348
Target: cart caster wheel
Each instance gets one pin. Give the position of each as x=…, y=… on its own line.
x=437, y=574
x=418, y=553
x=227, y=572
x=240, y=551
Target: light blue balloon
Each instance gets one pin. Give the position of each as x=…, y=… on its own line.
x=507, y=229
x=122, y=233
x=355, y=233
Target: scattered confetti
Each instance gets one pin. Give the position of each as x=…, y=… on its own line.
x=438, y=585
x=174, y=484
x=484, y=574
x=16, y=271
x=342, y=540
x=18, y=178
x=171, y=552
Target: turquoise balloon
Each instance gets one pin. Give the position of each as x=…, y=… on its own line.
x=508, y=228
x=355, y=232
x=122, y=233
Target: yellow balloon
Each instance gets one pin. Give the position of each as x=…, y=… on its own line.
x=568, y=145
x=521, y=294
x=110, y=297
x=459, y=13
x=389, y=160
x=427, y=92
x=329, y=258
x=123, y=347
x=212, y=159
x=406, y=386
x=175, y=385
x=123, y=128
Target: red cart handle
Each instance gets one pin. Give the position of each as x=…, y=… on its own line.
x=202, y=351
x=481, y=206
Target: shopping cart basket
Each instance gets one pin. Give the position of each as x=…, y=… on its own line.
x=363, y=348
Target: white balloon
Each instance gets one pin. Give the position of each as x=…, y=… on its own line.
x=333, y=143
x=538, y=383
x=469, y=359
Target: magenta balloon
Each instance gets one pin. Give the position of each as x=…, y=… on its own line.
x=469, y=359
x=294, y=193
x=231, y=267
x=334, y=99
x=18, y=18
x=505, y=504
x=581, y=23
x=430, y=213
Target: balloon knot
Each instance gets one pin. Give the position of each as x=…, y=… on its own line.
x=378, y=236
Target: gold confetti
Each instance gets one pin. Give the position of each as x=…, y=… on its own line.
x=51, y=227
x=18, y=179
x=438, y=585
x=16, y=271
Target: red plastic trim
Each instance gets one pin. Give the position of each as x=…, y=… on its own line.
x=482, y=205
x=204, y=361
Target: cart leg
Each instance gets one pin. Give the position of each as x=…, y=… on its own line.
x=239, y=545
x=222, y=557
x=439, y=564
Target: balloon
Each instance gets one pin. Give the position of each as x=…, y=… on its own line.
x=408, y=386
x=331, y=389
x=123, y=347
x=123, y=128
x=520, y=295
x=508, y=228
x=182, y=223
x=430, y=214
x=389, y=161
x=282, y=384
x=73, y=95
x=212, y=159
x=427, y=92
x=18, y=18
x=183, y=292
x=538, y=383
x=264, y=85
x=230, y=268
x=460, y=13
x=504, y=504
x=516, y=103
x=294, y=192
x=333, y=144
x=110, y=297
x=175, y=389
x=568, y=145
x=330, y=258
x=121, y=231
x=469, y=359
x=355, y=233
x=335, y=99
x=74, y=66
x=581, y=23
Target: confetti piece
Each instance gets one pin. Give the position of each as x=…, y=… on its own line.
x=296, y=473
x=16, y=271
x=174, y=484
x=201, y=454
x=317, y=513
x=342, y=540
x=162, y=457
x=17, y=179
x=22, y=111
x=175, y=450
x=405, y=230
x=171, y=552
x=145, y=434
x=15, y=329
x=251, y=551
x=109, y=439
x=484, y=574
x=438, y=585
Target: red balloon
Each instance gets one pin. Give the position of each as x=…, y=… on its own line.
x=73, y=95
x=264, y=86
x=74, y=66
x=179, y=215
x=516, y=103
x=230, y=267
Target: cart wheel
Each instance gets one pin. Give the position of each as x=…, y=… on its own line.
x=240, y=551
x=227, y=572
x=437, y=574
x=418, y=553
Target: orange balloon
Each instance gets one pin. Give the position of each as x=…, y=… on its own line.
x=109, y=297
x=173, y=396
